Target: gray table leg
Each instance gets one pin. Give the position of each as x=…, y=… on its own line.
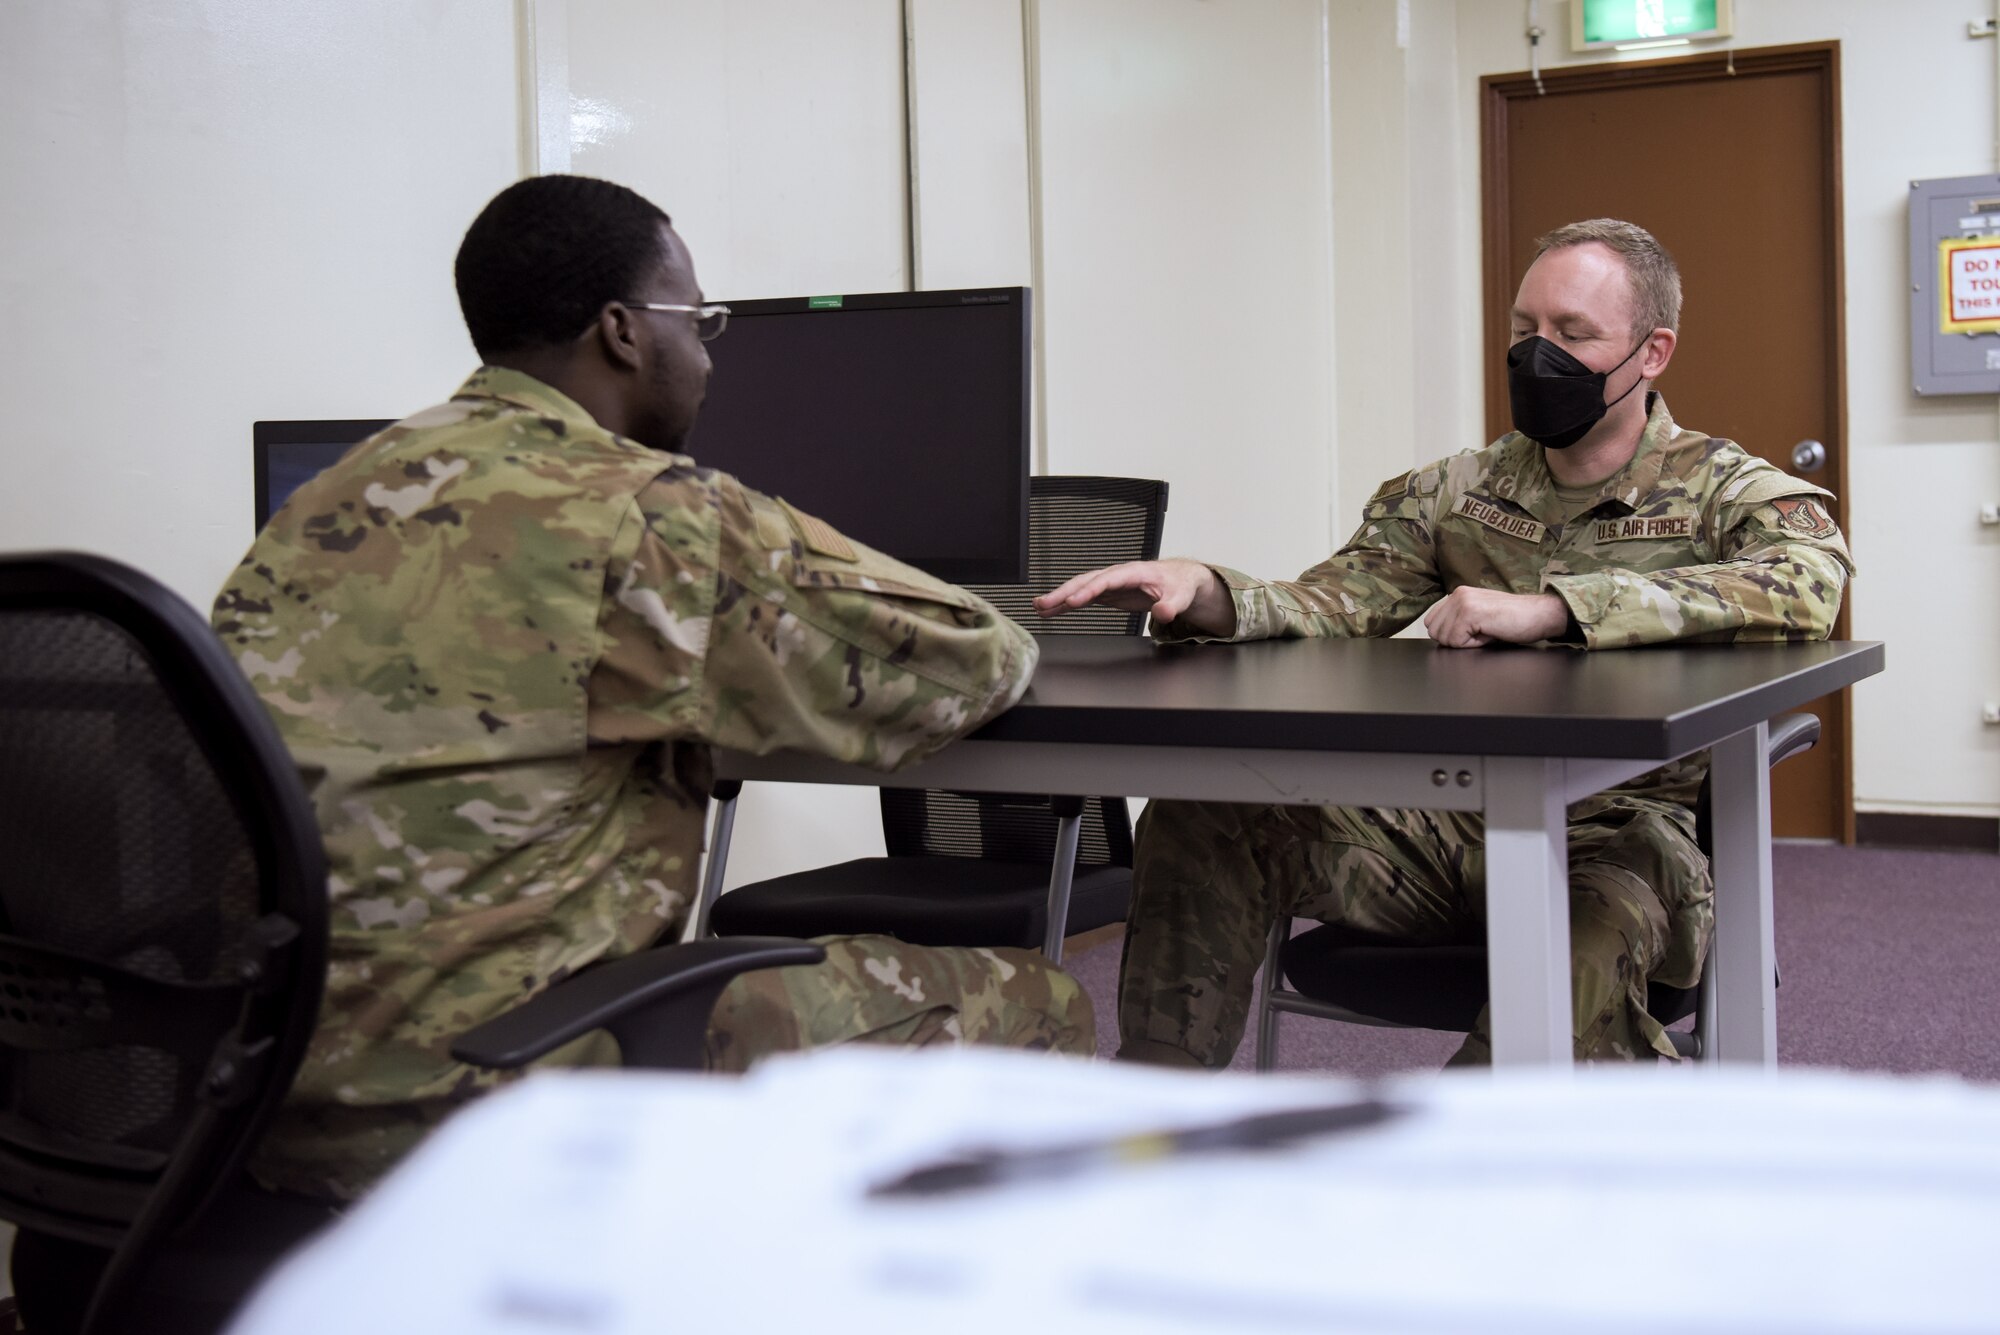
x=1274, y=978
x=1062, y=872
x=1705, y=1026
x=1746, y=1000
x=718, y=862
x=1527, y=911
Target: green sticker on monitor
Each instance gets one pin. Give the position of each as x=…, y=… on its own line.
x=824, y=303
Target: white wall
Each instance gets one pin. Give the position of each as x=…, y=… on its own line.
x=772, y=131
x=1187, y=245
x=1398, y=170
x=216, y=212
x=969, y=164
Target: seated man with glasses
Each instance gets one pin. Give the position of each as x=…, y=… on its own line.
x=501, y=638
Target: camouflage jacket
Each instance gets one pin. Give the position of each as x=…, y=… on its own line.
x=500, y=641
x=1694, y=540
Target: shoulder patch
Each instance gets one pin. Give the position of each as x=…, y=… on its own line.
x=1803, y=515
x=1760, y=483
x=819, y=536
x=1395, y=486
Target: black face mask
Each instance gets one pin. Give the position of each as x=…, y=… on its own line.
x=1556, y=398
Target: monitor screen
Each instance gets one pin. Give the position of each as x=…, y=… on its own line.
x=901, y=418
x=285, y=455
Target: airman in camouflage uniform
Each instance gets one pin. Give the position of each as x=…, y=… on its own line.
x=501, y=641
x=1695, y=540
x=1691, y=539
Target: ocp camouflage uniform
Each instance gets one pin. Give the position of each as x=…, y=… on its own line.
x=1694, y=541
x=500, y=642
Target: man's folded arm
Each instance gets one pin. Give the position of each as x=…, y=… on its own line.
x=1785, y=572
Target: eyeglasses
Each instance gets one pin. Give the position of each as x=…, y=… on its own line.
x=709, y=321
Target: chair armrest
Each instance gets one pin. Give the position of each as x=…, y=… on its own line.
x=656, y=1003
x=1791, y=734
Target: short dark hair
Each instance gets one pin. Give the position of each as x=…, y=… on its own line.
x=545, y=255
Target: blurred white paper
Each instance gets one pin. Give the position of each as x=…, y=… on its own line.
x=614, y=1204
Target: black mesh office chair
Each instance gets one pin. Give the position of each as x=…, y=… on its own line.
x=1337, y=973
x=162, y=925
x=981, y=870
x=163, y=944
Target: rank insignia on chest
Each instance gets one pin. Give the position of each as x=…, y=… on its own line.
x=1482, y=511
x=1803, y=515
x=1632, y=527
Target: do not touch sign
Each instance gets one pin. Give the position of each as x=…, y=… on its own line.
x=1970, y=285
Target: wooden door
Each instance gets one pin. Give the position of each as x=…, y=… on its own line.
x=1734, y=163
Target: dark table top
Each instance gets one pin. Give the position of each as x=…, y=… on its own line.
x=1411, y=695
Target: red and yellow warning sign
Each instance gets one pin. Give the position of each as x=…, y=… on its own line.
x=1969, y=285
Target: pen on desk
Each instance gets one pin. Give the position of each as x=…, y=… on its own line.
x=1259, y=1131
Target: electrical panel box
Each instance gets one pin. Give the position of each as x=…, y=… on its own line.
x=1955, y=285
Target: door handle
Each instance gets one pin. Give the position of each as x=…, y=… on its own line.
x=1808, y=456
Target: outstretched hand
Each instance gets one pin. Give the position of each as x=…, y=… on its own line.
x=1467, y=617
x=1186, y=592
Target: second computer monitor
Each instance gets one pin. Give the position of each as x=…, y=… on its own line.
x=285, y=455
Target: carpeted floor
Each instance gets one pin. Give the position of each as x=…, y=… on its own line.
x=1890, y=960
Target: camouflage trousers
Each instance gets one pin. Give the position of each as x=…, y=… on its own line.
x=870, y=989
x=1211, y=878
x=876, y=989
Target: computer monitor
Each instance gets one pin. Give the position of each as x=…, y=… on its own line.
x=901, y=418
x=286, y=455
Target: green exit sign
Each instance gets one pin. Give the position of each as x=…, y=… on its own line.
x=1594, y=24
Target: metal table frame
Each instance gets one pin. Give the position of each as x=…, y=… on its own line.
x=1522, y=797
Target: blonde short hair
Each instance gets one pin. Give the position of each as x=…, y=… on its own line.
x=1656, y=279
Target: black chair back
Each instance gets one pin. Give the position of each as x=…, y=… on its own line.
x=1075, y=525
x=1079, y=524
x=162, y=911
x=929, y=822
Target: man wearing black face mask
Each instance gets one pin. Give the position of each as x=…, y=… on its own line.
x=1599, y=523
